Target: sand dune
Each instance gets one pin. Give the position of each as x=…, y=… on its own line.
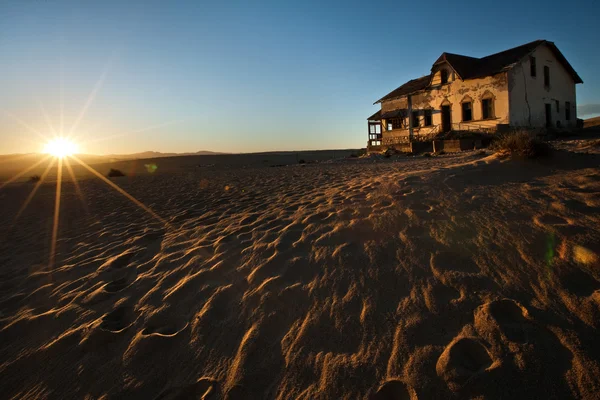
x=457, y=276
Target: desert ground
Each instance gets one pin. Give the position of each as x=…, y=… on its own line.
x=459, y=276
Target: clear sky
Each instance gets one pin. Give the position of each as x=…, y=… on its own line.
x=242, y=76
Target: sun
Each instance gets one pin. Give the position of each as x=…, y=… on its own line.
x=60, y=147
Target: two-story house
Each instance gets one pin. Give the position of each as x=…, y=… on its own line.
x=530, y=86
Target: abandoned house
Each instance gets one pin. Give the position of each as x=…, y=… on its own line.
x=531, y=86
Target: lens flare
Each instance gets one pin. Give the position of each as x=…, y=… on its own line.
x=60, y=147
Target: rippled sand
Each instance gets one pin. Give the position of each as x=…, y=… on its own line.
x=460, y=276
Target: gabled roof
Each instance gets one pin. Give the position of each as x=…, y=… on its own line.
x=460, y=64
x=471, y=67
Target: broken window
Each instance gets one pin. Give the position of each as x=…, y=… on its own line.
x=557, y=106
x=487, y=108
x=428, y=120
x=568, y=110
x=467, y=111
x=532, y=66
x=546, y=76
x=444, y=75
x=415, y=119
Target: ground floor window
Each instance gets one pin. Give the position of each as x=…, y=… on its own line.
x=395, y=123
x=467, y=111
x=428, y=120
x=415, y=119
x=568, y=110
x=487, y=108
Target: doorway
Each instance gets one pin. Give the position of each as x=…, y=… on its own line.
x=446, y=119
x=548, y=115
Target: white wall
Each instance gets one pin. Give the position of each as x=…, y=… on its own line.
x=528, y=96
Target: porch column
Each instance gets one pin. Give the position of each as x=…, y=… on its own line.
x=410, y=125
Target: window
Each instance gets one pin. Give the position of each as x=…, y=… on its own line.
x=557, y=106
x=532, y=66
x=568, y=110
x=428, y=120
x=487, y=108
x=444, y=75
x=415, y=119
x=395, y=123
x=546, y=76
x=467, y=111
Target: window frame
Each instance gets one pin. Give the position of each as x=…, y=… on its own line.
x=444, y=74
x=428, y=117
x=462, y=109
x=415, y=121
x=491, y=110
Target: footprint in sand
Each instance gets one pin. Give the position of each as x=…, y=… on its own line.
x=508, y=316
x=392, y=390
x=119, y=261
x=549, y=220
x=578, y=282
x=462, y=360
x=419, y=207
x=118, y=284
x=448, y=261
x=204, y=389
x=118, y=320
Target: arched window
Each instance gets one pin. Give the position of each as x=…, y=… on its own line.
x=487, y=106
x=444, y=75
x=467, y=109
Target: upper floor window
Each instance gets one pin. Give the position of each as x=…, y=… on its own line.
x=532, y=66
x=568, y=110
x=546, y=76
x=427, y=120
x=444, y=76
x=467, y=111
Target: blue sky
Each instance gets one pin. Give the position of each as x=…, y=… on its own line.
x=243, y=76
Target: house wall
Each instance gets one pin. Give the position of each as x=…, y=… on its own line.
x=528, y=95
x=454, y=93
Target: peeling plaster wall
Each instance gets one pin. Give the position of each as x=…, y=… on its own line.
x=528, y=95
x=454, y=92
x=392, y=105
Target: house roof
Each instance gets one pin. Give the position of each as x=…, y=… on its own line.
x=471, y=67
x=409, y=87
x=375, y=117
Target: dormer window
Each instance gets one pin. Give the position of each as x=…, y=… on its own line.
x=444, y=75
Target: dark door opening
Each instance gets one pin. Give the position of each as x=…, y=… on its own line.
x=446, y=119
x=548, y=115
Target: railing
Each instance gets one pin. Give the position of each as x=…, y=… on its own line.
x=427, y=133
x=470, y=126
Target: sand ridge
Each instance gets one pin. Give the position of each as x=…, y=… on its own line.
x=458, y=276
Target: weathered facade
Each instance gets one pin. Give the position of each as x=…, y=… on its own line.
x=529, y=86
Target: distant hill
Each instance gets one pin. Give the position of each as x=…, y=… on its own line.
x=590, y=122
x=158, y=154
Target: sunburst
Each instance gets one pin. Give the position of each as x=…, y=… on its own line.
x=59, y=150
